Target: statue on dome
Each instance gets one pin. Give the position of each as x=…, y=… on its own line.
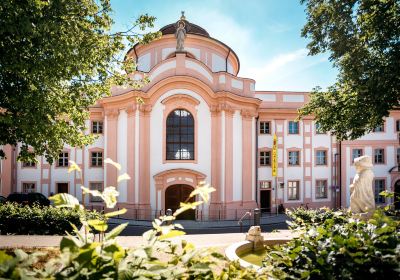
x=180, y=33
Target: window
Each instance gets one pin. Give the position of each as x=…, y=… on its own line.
x=379, y=128
x=63, y=159
x=379, y=156
x=356, y=153
x=293, y=190
x=62, y=187
x=294, y=158
x=321, y=189
x=379, y=186
x=293, y=127
x=398, y=125
x=265, y=184
x=28, y=187
x=265, y=158
x=97, y=159
x=28, y=164
x=398, y=156
x=265, y=128
x=180, y=135
x=97, y=127
x=318, y=129
x=321, y=158
x=99, y=187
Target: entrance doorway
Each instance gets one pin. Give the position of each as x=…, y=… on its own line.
x=176, y=194
x=265, y=200
x=397, y=195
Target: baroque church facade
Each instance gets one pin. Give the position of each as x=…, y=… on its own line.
x=200, y=121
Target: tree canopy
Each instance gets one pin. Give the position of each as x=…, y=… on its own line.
x=363, y=39
x=58, y=57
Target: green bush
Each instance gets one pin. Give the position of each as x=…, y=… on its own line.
x=302, y=218
x=40, y=220
x=338, y=246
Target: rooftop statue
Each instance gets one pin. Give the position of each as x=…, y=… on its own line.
x=180, y=33
x=362, y=198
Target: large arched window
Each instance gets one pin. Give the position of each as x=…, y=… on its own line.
x=180, y=135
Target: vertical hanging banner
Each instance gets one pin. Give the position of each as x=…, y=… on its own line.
x=275, y=157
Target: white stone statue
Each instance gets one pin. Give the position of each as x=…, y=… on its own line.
x=180, y=34
x=362, y=199
x=254, y=235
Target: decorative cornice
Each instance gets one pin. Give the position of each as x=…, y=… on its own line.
x=248, y=114
x=111, y=113
x=131, y=109
x=145, y=108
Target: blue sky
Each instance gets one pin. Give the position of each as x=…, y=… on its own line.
x=265, y=34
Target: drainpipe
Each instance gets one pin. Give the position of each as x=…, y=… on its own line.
x=256, y=157
x=226, y=60
x=136, y=58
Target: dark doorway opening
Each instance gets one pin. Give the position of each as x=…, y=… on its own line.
x=265, y=200
x=62, y=187
x=397, y=195
x=176, y=194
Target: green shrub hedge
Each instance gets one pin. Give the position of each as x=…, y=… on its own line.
x=338, y=246
x=40, y=220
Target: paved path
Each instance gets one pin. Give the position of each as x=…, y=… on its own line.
x=201, y=240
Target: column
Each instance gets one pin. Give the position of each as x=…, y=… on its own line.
x=144, y=156
x=131, y=111
x=111, y=134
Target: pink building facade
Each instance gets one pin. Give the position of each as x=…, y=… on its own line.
x=200, y=121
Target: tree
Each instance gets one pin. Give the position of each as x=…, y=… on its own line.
x=363, y=38
x=58, y=57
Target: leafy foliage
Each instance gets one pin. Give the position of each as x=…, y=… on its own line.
x=362, y=37
x=58, y=58
x=41, y=220
x=302, y=218
x=338, y=247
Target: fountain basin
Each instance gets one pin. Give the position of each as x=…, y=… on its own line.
x=237, y=250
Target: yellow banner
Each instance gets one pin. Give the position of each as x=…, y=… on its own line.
x=275, y=157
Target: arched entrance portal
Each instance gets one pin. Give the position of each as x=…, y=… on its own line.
x=176, y=194
x=397, y=195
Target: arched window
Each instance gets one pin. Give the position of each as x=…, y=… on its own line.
x=180, y=135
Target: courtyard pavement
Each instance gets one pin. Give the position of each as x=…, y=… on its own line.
x=199, y=240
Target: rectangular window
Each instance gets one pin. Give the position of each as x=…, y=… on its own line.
x=99, y=187
x=379, y=128
x=398, y=156
x=321, y=158
x=97, y=127
x=63, y=159
x=97, y=159
x=379, y=156
x=318, y=129
x=265, y=158
x=28, y=164
x=398, y=125
x=62, y=187
x=293, y=190
x=293, y=127
x=356, y=153
x=28, y=187
x=265, y=127
x=379, y=185
x=265, y=185
x=321, y=189
x=294, y=158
